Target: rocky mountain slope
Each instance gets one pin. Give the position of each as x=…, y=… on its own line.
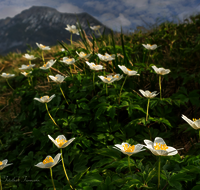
x=44, y=25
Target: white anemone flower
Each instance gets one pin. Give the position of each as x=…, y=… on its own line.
x=129, y=150
x=4, y=164
x=7, y=75
x=106, y=57
x=148, y=94
x=29, y=57
x=45, y=99
x=95, y=27
x=94, y=67
x=25, y=73
x=159, y=147
x=161, y=71
x=48, y=64
x=61, y=141
x=25, y=67
x=83, y=55
x=58, y=78
x=128, y=71
x=72, y=29
x=49, y=162
x=150, y=47
x=68, y=61
x=62, y=49
x=194, y=124
x=118, y=77
x=109, y=79
x=42, y=47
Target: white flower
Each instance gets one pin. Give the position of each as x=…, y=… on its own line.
x=159, y=147
x=61, y=141
x=58, y=78
x=4, y=164
x=117, y=76
x=25, y=73
x=49, y=162
x=72, y=29
x=42, y=47
x=48, y=64
x=109, y=79
x=150, y=47
x=83, y=55
x=194, y=124
x=68, y=61
x=161, y=71
x=126, y=148
x=29, y=57
x=128, y=71
x=4, y=75
x=106, y=57
x=25, y=67
x=148, y=94
x=45, y=99
x=62, y=49
x=95, y=27
x=95, y=67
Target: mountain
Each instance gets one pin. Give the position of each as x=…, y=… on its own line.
x=43, y=25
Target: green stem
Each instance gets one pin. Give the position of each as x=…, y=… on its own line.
x=63, y=95
x=160, y=86
x=29, y=81
x=43, y=57
x=52, y=179
x=129, y=164
x=71, y=38
x=50, y=116
x=148, y=59
x=70, y=69
x=0, y=183
x=147, y=108
x=158, y=172
x=122, y=88
x=65, y=169
x=93, y=80
x=199, y=134
x=9, y=84
x=106, y=89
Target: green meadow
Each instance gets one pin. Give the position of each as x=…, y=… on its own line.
x=118, y=111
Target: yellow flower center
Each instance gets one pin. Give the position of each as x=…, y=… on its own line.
x=61, y=142
x=107, y=56
x=93, y=65
x=27, y=65
x=195, y=119
x=7, y=74
x=45, y=65
x=69, y=60
x=149, y=44
x=107, y=78
x=42, y=46
x=56, y=78
x=1, y=163
x=160, y=146
x=129, y=69
x=128, y=148
x=116, y=76
x=83, y=54
x=48, y=160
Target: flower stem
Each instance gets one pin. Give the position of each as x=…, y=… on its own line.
x=9, y=84
x=50, y=116
x=70, y=70
x=29, y=81
x=129, y=164
x=148, y=60
x=65, y=169
x=160, y=86
x=106, y=89
x=71, y=38
x=147, y=108
x=199, y=134
x=121, y=88
x=158, y=172
x=43, y=57
x=0, y=183
x=63, y=95
x=52, y=179
x=93, y=80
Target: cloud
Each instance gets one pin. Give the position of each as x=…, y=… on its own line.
x=69, y=8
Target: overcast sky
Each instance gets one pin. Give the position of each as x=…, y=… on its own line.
x=113, y=13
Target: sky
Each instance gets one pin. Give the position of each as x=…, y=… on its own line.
x=115, y=14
